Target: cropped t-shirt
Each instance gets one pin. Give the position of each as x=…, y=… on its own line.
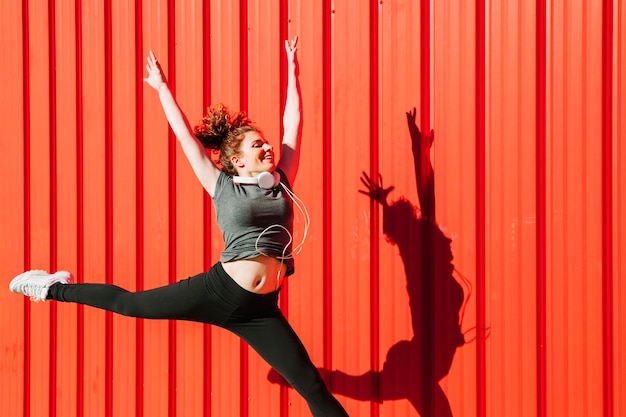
x=251, y=217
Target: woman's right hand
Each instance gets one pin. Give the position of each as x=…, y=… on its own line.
x=155, y=78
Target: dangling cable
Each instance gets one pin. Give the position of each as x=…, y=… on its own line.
x=307, y=222
x=305, y=215
x=296, y=250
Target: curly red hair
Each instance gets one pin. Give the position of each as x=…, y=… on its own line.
x=223, y=130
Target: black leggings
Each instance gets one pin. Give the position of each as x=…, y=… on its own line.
x=213, y=297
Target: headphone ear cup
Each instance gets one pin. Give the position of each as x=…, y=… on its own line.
x=268, y=180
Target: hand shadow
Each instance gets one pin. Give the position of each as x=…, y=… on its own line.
x=413, y=368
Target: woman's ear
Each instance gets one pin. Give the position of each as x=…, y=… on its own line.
x=238, y=162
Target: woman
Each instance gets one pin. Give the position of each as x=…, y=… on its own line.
x=240, y=292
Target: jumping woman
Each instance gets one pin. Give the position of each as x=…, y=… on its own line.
x=254, y=206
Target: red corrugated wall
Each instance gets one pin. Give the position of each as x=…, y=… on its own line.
x=526, y=102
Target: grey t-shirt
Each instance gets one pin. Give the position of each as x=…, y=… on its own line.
x=254, y=221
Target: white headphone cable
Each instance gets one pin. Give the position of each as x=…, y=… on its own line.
x=297, y=249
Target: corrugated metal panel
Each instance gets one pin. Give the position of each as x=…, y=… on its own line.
x=510, y=202
x=525, y=101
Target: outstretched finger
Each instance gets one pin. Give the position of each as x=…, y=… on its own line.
x=367, y=181
x=380, y=180
x=367, y=193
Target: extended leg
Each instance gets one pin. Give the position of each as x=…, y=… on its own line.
x=275, y=340
x=190, y=299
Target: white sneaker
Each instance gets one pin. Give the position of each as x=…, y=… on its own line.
x=35, y=283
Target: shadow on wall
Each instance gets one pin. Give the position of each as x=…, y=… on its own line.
x=413, y=368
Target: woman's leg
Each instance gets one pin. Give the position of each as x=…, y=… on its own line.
x=194, y=299
x=277, y=343
x=258, y=320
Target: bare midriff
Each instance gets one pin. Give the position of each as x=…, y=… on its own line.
x=260, y=275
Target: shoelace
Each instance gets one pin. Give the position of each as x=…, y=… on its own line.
x=40, y=290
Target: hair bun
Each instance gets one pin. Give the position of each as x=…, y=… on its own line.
x=217, y=124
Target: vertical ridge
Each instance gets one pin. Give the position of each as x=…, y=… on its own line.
x=108, y=192
x=243, y=81
x=374, y=221
x=80, y=230
x=27, y=200
x=171, y=156
x=139, y=226
x=327, y=180
x=52, y=376
x=607, y=207
x=480, y=212
x=284, y=298
x=541, y=248
x=206, y=95
x=426, y=267
x=425, y=65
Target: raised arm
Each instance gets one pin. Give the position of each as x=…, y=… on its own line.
x=290, y=145
x=424, y=174
x=202, y=165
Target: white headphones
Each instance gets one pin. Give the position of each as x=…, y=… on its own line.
x=265, y=180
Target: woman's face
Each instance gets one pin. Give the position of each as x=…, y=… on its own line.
x=255, y=156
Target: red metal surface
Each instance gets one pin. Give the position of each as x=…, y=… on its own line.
x=526, y=101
